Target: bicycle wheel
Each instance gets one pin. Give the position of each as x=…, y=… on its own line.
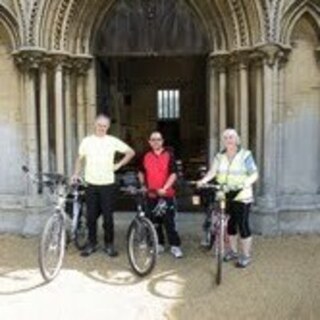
x=208, y=239
x=220, y=251
x=52, y=247
x=142, y=243
x=81, y=233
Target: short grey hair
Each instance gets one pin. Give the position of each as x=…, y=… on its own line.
x=102, y=116
x=231, y=132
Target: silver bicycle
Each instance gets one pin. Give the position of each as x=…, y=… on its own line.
x=53, y=239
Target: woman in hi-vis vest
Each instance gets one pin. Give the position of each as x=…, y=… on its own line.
x=235, y=167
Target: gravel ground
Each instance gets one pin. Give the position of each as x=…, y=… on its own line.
x=282, y=283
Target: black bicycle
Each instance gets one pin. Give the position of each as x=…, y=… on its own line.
x=53, y=238
x=76, y=209
x=142, y=240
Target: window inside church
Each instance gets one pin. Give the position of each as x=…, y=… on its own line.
x=168, y=104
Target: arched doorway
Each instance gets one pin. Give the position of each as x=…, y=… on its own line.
x=151, y=75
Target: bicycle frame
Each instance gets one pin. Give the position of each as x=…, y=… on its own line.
x=57, y=186
x=76, y=203
x=141, y=235
x=219, y=224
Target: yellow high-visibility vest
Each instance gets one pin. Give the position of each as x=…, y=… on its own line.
x=235, y=173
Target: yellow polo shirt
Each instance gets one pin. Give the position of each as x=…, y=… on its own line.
x=99, y=153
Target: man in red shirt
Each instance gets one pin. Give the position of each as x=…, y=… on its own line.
x=157, y=173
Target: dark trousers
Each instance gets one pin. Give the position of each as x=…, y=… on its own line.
x=167, y=220
x=239, y=219
x=100, y=200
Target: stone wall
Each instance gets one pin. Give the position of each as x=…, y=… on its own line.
x=11, y=122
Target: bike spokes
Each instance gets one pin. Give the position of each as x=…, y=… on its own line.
x=81, y=233
x=52, y=247
x=142, y=246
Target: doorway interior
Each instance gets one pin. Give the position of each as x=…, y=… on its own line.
x=142, y=94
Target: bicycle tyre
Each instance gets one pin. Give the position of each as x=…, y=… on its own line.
x=142, y=237
x=53, y=235
x=220, y=252
x=81, y=233
x=209, y=239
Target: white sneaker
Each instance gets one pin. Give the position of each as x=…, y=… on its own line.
x=177, y=252
x=205, y=242
x=160, y=249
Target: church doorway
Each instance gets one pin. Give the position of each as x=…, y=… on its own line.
x=151, y=62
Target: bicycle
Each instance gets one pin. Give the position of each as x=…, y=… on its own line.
x=76, y=210
x=53, y=238
x=142, y=239
x=218, y=222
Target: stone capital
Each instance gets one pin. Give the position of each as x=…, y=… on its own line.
x=273, y=52
x=219, y=60
x=58, y=60
x=256, y=58
x=240, y=58
x=28, y=59
x=81, y=63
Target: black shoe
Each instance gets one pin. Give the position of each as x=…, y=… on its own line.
x=110, y=250
x=88, y=250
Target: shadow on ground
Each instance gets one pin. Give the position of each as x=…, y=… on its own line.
x=282, y=283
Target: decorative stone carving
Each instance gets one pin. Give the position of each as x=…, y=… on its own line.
x=256, y=58
x=240, y=58
x=58, y=59
x=31, y=28
x=239, y=12
x=81, y=63
x=274, y=52
x=29, y=58
x=220, y=60
x=61, y=16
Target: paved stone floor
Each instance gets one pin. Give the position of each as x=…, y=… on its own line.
x=282, y=283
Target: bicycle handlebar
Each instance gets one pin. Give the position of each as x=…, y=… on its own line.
x=132, y=190
x=52, y=178
x=214, y=186
x=210, y=186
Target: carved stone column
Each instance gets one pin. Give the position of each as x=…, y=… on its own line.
x=222, y=100
x=58, y=62
x=69, y=119
x=272, y=58
x=213, y=109
x=317, y=53
x=257, y=62
x=244, y=98
x=81, y=65
x=28, y=61
x=44, y=116
x=235, y=91
x=91, y=95
x=220, y=61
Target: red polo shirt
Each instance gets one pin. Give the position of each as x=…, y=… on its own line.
x=157, y=168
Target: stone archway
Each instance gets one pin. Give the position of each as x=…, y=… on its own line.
x=146, y=50
x=249, y=47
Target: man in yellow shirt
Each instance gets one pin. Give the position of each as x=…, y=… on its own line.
x=97, y=153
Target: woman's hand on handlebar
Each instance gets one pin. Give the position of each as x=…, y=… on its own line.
x=200, y=183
